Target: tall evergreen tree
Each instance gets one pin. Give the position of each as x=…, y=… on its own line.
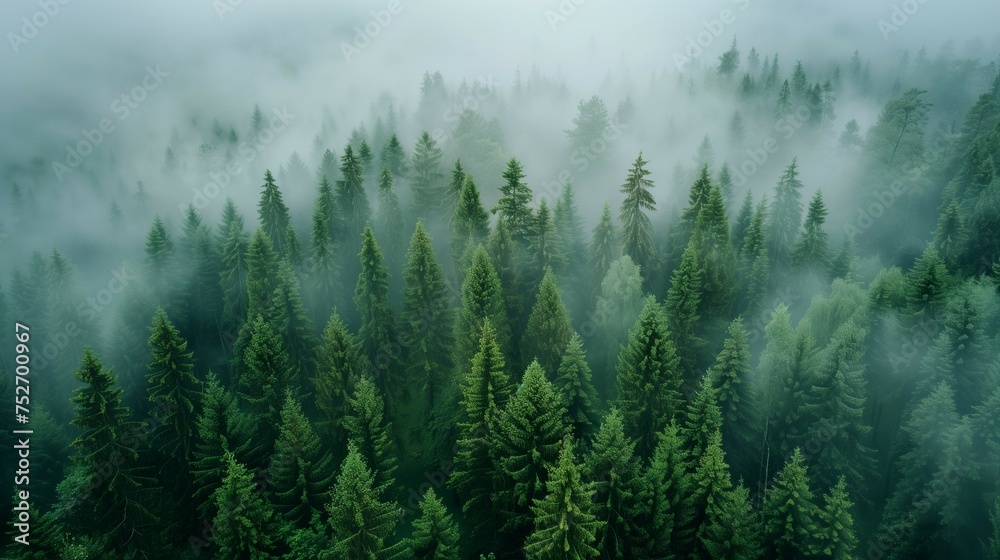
x=604, y=249
x=618, y=306
x=545, y=246
x=837, y=539
x=261, y=385
x=362, y=522
x=435, y=533
x=667, y=497
x=790, y=516
x=613, y=467
x=730, y=376
x=340, y=364
x=682, y=305
x=244, y=526
x=702, y=420
x=565, y=524
x=471, y=224
x=426, y=178
x=712, y=486
x=734, y=531
x=637, y=241
x=513, y=204
x=370, y=432
x=274, y=219
x=300, y=473
x=378, y=325
x=323, y=277
x=812, y=251
x=649, y=379
x=394, y=157
x=572, y=379
x=549, y=331
x=482, y=298
x=785, y=216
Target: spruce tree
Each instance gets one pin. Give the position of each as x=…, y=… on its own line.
x=370, y=433
x=618, y=306
x=545, y=247
x=790, y=516
x=711, y=488
x=453, y=192
x=649, y=379
x=323, y=277
x=435, y=533
x=244, y=526
x=526, y=438
x=812, y=251
x=702, y=420
x=362, y=522
x=565, y=524
x=340, y=364
x=513, y=204
x=378, y=325
x=471, y=224
x=785, y=216
x=352, y=201
x=837, y=539
x=730, y=376
x=667, y=497
x=394, y=157
x=734, y=531
x=549, y=330
x=300, y=472
x=716, y=257
x=613, y=467
x=573, y=381
x=389, y=219
x=427, y=328
x=682, y=306
x=261, y=385
x=604, y=249
x=274, y=219
x=482, y=298
x=426, y=178
x=742, y=224
x=233, y=277
x=636, y=234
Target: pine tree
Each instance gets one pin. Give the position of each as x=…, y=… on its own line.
x=378, y=326
x=573, y=382
x=471, y=224
x=300, y=472
x=637, y=230
x=222, y=428
x=837, y=539
x=545, y=246
x=786, y=215
x=812, y=252
x=323, y=277
x=508, y=258
x=513, y=204
x=389, y=226
x=950, y=235
x=667, y=497
x=159, y=260
x=702, y=420
x=370, y=433
x=485, y=391
x=716, y=257
x=928, y=281
x=649, y=379
x=394, y=157
x=174, y=389
x=590, y=124
x=682, y=305
x=267, y=373
x=339, y=365
x=352, y=201
x=730, y=376
x=613, y=467
x=244, y=526
x=293, y=324
x=525, y=440
x=604, y=249
x=549, y=331
x=262, y=279
x=453, y=192
x=712, y=486
x=120, y=506
x=362, y=522
x=790, y=516
x=565, y=524
x=482, y=298
x=274, y=219
x=569, y=225
x=426, y=178
x=618, y=307
x=734, y=531
x=742, y=224
x=427, y=326
x=435, y=533
x=233, y=275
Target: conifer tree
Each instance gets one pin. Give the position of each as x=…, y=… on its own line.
x=120, y=506
x=322, y=263
x=574, y=383
x=513, y=204
x=262, y=278
x=785, y=216
x=352, y=201
x=569, y=225
x=389, y=226
x=682, y=306
x=222, y=428
x=702, y=420
x=266, y=375
x=426, y=178
x=928, y=280
x=549, y=330
x=565, y=524
x=716, y=257
x=613, y=467
x=730, y=376
x=394, y=157
x=427, y=327
x=233, y=276
x=526, y=438
x=508, y=258
x=618, y=307
x=649, y=379
x=711, y=488
x=378, y=325
x=362, y=522
x=482, y=298
x=950, y=234
x=435, y=533
x=485, y=391
x=837, y=539
x=667, y=497
x=604, y=249
x=159, y=259
x=790, y=516
x=293, y=324
x=274, y=219
x=545, y=246
x=370, y=433
x=637, y=230
x=339, y=365
x=812, y=249
x=174, y=390
x=453, y=192
x=471, y=224
x=244, y=526
x=742, y=224
x=733, y=532
x=300, y=472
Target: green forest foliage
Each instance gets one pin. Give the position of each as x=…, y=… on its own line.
x=734, y=376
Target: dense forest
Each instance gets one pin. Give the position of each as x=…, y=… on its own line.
x=754, y=321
